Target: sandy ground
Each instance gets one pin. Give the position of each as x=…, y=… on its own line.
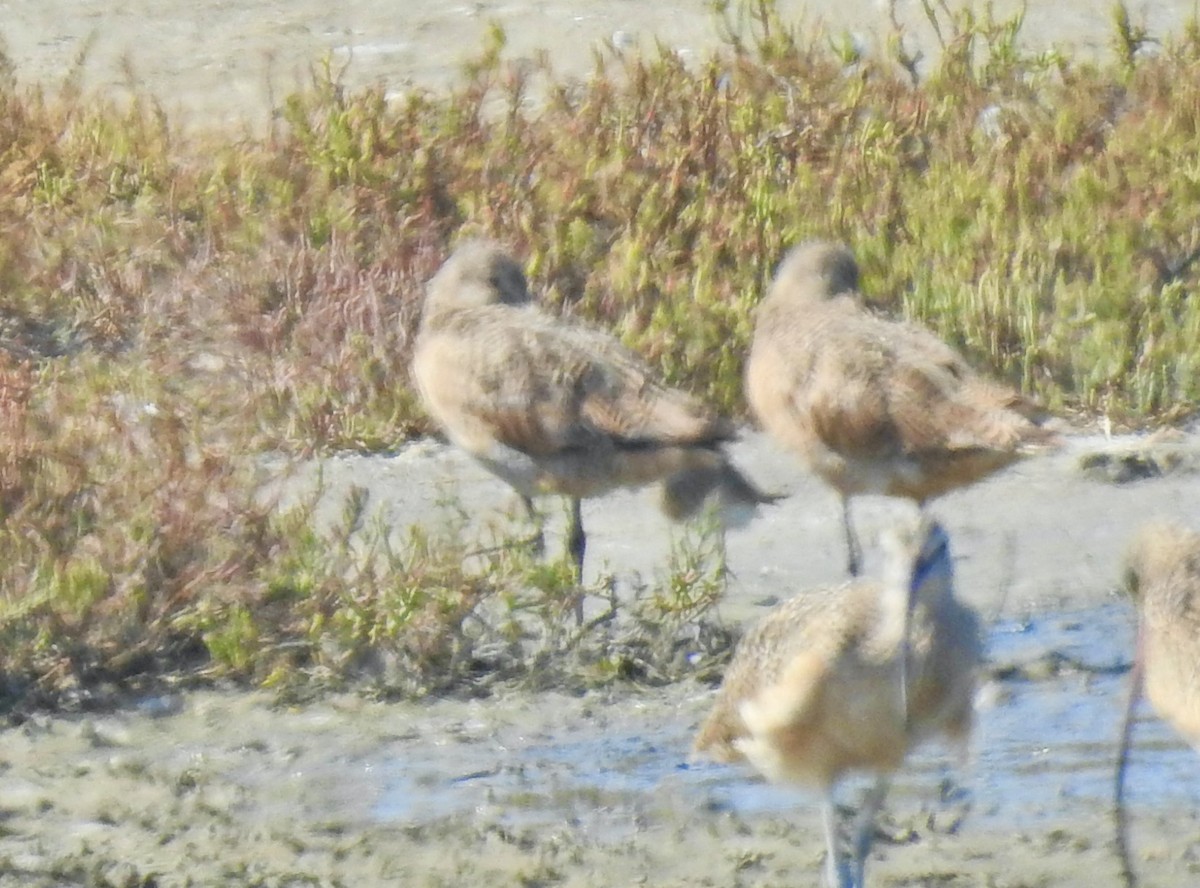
x=219, y=60
x=228, y=788
x=1047, y=534
x=223, y=788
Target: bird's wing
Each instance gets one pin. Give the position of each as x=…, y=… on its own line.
x=884, y=388
x=623, y=398
x=843, y=395
x=939, y=403
x=543, y=386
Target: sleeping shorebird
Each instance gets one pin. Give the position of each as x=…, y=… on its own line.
x=555, y=407
x=872, y=405
x=850, y=678
x=1162, y=575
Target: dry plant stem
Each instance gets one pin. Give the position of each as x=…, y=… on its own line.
x=583, y=630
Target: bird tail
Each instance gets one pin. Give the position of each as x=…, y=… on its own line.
x=1018, y=421
x=686, y=492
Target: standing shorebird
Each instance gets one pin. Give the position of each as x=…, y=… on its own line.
x=872, y=405
x=850, y=678
x=554, y=407
x=1162, y=575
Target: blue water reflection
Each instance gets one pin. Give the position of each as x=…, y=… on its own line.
x=1045, y=744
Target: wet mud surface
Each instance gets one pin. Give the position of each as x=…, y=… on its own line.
x=546, y=789
x=596, y=789
x=222, y=788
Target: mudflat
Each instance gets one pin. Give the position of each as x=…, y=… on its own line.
x=214, y=61
x=531, y=788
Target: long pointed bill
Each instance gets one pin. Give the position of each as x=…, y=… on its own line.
x=1128, y=877
x=925, y=565
x=905, y=655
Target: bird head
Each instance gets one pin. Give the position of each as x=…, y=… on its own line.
x=815, y=269
x=1158, y=549
x=478, y=273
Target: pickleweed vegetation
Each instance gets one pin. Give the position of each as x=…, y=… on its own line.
x=173, y=306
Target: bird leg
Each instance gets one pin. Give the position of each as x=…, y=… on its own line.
x=537, y=541
x=864, y=830
x=854, y=550
x=1128, y=877
x=837, y=874
x=576, y=546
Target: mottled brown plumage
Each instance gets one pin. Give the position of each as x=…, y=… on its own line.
x=873, y=405
x=1162, y=576
x=555, y=407
x=851, y=677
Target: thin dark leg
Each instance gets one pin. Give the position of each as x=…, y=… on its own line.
x=854, y=564
x=576, y=546
x=576, y=539
x=537, y=542
x=1128, y=876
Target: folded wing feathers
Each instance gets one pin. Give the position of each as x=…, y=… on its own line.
x=877, y=386
x=545, y=385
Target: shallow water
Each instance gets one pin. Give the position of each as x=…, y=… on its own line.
x=591, y=790
x=1045, y=744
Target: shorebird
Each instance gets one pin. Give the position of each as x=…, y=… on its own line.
x=1162, y=576
x=873, y=405
x=851, y=677
x=551, y=406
